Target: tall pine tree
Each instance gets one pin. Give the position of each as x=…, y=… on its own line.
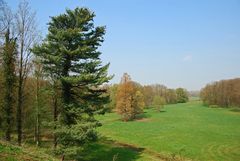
x=9, y=60
x=70, y=54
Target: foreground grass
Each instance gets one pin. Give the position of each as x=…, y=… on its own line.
x=189, y=130
x=103, y=150
x=180, y=132
x=9, y=152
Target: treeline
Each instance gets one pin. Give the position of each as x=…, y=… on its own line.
x=36, y=113
x=51, y=89
x=148, y=93
x=18, y=34
x=224, y=93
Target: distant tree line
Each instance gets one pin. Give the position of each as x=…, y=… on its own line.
x=147, y=96
x=195, y=94
x=224, y=93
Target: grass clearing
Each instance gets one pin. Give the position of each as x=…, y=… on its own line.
x=179, y=132
x=190, y=130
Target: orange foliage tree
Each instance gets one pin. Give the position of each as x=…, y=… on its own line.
x=129, y=100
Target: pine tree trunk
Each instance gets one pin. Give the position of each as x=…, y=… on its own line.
x=8, y=121
x=8, y=131
x=8, y=111
x=8, y=115
x=63, y=156
x=20, y=96
x=38, y=131
x=55, y=114
x=19, y=114
x=37, y=115
x=35, y=133
x=66, y=91
x=55, y=120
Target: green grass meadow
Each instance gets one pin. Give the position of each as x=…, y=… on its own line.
x=190, y=130
x=180, y=132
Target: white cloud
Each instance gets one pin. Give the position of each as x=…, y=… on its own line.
x=187, y=58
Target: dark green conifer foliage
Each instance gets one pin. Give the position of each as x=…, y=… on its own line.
x=70, y=54
x=9, y=59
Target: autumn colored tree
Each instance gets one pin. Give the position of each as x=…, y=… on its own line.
x=129, y=100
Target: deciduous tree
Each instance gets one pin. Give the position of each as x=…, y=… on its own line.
x=224, y=93
x=129, y=100
x=159, y=102
x=182, y=95
x=27, y=37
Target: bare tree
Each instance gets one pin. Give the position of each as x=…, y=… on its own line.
x=224, y=93
x=27, y=37
x=6, y=17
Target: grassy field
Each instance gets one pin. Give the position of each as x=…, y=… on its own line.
x=180, y=132
x=188, y=130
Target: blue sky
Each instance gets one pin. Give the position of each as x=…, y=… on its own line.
x=185, y=43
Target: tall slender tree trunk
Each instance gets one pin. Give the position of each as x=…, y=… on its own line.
x=19, y=112
x=63, y=156
x=37, y=130
x=27, y=36
x=8, y=110
x=55, y=113
x=66, y=91
x=20, y=95
x=8, y=129
x=37, y=114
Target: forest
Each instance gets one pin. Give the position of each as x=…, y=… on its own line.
x=57, y=101
x=224, y=93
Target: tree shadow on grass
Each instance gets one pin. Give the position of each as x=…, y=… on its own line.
x=235, y=110
x=162, y=111
x=144, y=115
x=109, y=150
